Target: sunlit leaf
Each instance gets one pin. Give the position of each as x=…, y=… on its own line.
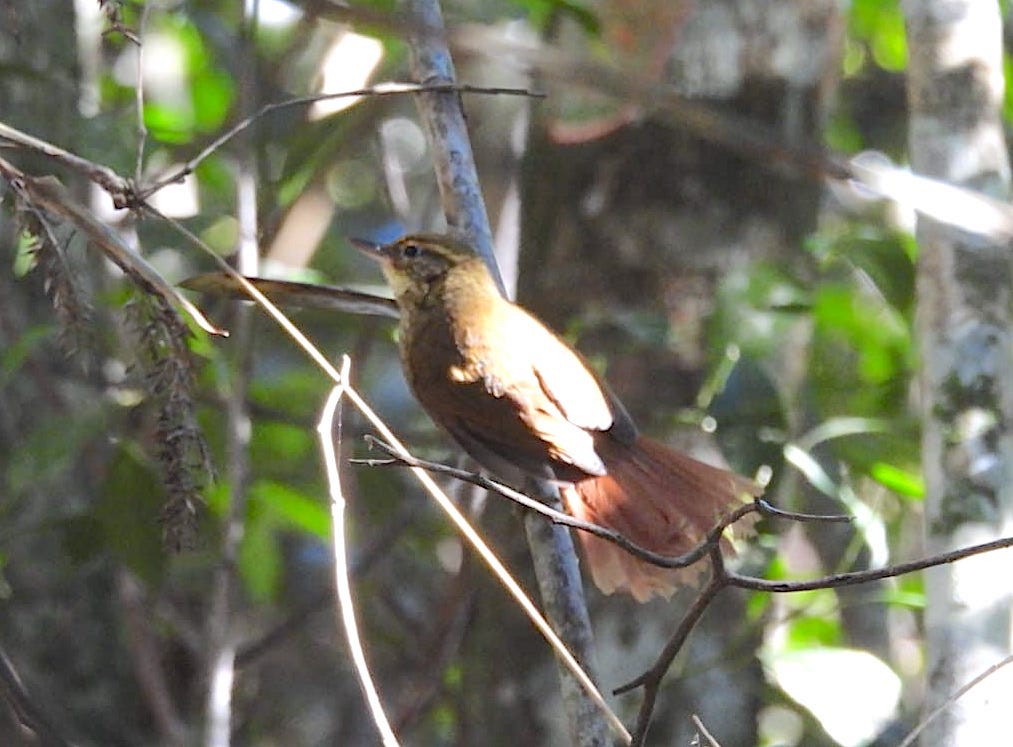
x=880, y=23
x=212, y=93
x=899, y=480
x=170, y=124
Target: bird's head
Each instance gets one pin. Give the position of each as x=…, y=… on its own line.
x=416, y=264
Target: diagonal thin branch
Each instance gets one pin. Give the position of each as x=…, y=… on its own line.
x=392, y=88
x=118, y=188
x=698, y=723
x=930, y=717
x=25, y=708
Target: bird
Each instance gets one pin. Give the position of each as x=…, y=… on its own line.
x=524, y=404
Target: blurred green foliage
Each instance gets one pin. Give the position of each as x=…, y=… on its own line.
x=848, y=296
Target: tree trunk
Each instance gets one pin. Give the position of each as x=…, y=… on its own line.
x=965, y=330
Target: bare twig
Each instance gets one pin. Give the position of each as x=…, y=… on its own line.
x=680, y=561
x=380, y=89
x=722, y=578
x=118, y=188
x=142, y=129
x=124, y=194
x=651, y=679
x=28, y=712
x=698, y=723
x=330, y=440
x=863, y=577
x=930, y=717
x=559, y=517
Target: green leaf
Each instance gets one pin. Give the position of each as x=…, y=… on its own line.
x=290, y=508
x=897, y=479
x=807, y=632
x=212, y=93
x=880, y=23
x=128, y=512
x=170, y=124
x=260, y=557
x=542, y=11
x=15, y=355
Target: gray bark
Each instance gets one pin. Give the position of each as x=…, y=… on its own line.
x=955, y=91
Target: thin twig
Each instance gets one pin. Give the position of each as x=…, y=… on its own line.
x=27, y=711
x=559, y=517
x=698, y=723
x=329, y=431
x=863, y=577
x=930, y=717
x=392, y=88
x=680, y=561
x=119, y=189
x=142, y=129
x=651, y=679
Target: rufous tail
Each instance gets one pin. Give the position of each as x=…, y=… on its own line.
x=659, y=498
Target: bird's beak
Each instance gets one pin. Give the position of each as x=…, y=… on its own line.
x=370, y=248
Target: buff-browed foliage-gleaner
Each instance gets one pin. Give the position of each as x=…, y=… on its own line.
x=522, y=403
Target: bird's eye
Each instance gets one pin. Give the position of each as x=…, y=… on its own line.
x=411, y=251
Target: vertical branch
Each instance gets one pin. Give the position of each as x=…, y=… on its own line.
x=447, y=132
x=142, y=128
x=965, y=329
x=563, y=596
x=221, y=639
x=552, y=549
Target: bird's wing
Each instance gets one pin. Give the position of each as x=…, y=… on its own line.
x=558, y=398
x=567, y=380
